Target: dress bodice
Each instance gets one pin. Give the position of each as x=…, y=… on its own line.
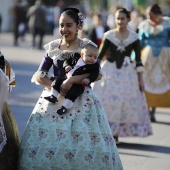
x=156, y=37
x=119, y=50
x=55, y=57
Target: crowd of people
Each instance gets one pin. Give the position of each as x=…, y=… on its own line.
x=105, y=84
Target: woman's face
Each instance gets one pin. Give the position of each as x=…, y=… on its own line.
x=121, y=20
x=154, y=17
x=67, y=27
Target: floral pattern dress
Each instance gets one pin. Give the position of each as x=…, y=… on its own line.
x=125, y=105
x=79, y=140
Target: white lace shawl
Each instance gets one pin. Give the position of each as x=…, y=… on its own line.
x=111, y=36
x=145, y=26
x=121, y=44
x=54, y=52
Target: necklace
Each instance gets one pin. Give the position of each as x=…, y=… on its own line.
x=69, y=42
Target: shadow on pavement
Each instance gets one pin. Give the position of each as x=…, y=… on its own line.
x=163, y=123
x=143, y=147
x=131, y=154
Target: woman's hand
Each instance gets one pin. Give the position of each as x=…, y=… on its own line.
x=70, y=81
x=85, y=81
x=141, y=83
x=45, y=81
x=66, y=85
x=68, y=68
x=99, y=77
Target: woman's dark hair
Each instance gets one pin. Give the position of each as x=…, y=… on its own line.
x=125, y=11
x=156, y=9
x=75, y=14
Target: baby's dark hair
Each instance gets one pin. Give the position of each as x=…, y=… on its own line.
x=75, y=14
x=91, y=47
x=125, y=11
x=156, y=9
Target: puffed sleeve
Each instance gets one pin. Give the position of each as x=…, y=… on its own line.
x=143, y=35
x=137, y=50
x=103, y=47
x=43, y=69
x=46, y=63
x=168, y=25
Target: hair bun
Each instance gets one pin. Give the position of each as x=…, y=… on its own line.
x=73, y=9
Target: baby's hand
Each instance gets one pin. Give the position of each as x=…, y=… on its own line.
x=86, y=81
x=68, y=68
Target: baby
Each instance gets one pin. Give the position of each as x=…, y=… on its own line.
x=86, y=63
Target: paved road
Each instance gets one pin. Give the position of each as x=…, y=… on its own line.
x=151, y=153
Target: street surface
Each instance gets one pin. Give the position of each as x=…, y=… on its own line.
x=150, y=153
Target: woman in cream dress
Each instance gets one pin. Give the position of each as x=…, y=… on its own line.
x=155, y=43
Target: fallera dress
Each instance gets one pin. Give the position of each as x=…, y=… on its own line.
x=155, y=43
x=78, y=140
x=9, y=139
x=125, y=105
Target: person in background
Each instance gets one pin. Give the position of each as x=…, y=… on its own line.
x=37, y=22
x=96, y=33
x=111, y=18
x=19, y=17
x=122, y=91
x=57, y=12
x=154, y=35
x=88, y=24
x=80, y=139
x=9, y=139
x=0, y=22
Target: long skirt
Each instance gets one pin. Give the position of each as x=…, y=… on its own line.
x=80, y=140
x=10, y=152
x=125, y=105
x=157, y=77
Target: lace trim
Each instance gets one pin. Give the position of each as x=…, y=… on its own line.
x=121, y=44
x=3, y=137
x=39, y=74
x=2, y=144
x=55, y=53
x=147, y=28
x=157, y=90
x=140, y=69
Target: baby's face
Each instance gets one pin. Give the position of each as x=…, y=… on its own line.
x=90, y=57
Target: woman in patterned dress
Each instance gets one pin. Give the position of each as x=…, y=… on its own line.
x=121, y=92
x=9, y=139
x=3, y=96
x=155, y=42
x=80, y=139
